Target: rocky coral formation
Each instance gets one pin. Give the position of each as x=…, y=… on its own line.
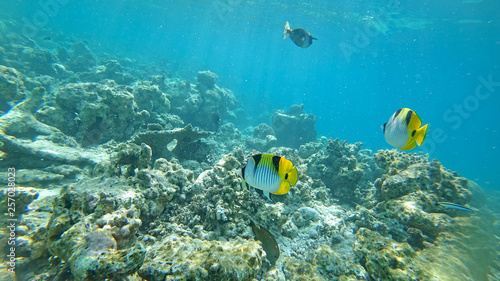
x=185, y=258
x=11, y=87
x=94, y=231
x=346, y=169
x=82, y=58
x=263, y=138
x=211, y=103
x=186, y=143
x=294, y=127
x=97, y=112
x=206, y=80
x=32, y=209
x=135, y=175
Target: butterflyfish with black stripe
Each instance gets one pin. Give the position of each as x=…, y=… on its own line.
x=269, y=173
x=404, y=130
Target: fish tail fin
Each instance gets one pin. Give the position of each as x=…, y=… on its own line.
x=420, y=134
x=285, y=31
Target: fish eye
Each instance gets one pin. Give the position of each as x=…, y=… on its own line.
x=286, y=176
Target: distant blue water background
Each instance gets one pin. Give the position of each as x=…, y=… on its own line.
x=371, y=58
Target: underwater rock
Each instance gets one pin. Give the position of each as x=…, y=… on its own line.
x=68, y=171
x=226, y=140
x=189, y=145
x=212, y=105
x=81, y=59
x=308, y=149
x=150, y=98
x=384, y=258
x=206, y=80
x=160, y=185
x=38, y=62
x=31, y=250
x=23, y=197
x=159, y=80
x=93, y=113
x=98, y=258
x=394, y=159
x=294, y=127
x=114, y=71
x=127, y=157
x=110, y=70
x=345, y=169
x=174, y=173
x=25, y=137
x=320, y=264
x=93, y=228
x=41, y=82
x=31, y=176
x=262, y=131
x=263, y=138
x=62, y=54
x=11, y=87
x=407, y=175
x=185, y=258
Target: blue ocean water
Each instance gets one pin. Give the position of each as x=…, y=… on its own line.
x=371, y=58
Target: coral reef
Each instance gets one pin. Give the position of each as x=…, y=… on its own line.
x=124, y=172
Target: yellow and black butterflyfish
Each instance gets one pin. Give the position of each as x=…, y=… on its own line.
x=404, y=130
x=269, y=173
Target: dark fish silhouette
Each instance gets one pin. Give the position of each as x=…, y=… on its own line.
x=299, y=36
x=269, y=244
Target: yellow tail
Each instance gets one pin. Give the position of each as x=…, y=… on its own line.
x=420, y=134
